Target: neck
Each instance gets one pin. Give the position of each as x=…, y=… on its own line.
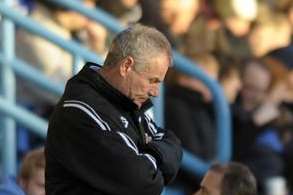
x=112, y=77
x=107, y=74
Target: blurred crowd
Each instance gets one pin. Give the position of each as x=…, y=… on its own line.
x=244, y=45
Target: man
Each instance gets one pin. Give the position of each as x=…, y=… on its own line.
x=99, y=139
x=230, y=179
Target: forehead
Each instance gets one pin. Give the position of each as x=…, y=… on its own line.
x=254, y=71
x=256, y=75
x=157, y=66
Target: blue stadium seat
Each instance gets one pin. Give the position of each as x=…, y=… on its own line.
x=10, y=187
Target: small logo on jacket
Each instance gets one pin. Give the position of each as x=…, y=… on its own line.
x=124, y=121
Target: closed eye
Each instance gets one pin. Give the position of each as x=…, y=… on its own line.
x=154, y=80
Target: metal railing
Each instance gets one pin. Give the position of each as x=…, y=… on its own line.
x=10, y=65
x=7, y=90
x=190, y=162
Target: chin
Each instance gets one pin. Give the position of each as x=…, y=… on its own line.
x=137, y=103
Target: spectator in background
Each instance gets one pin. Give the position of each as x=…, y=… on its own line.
x=284, y=93
x=126, y=11
x=179, y=14
x=269, y=25
x=172, y=17
x=255, y=142
x=230, y=179
x=204, y=32
x=236, y=18
x=236, y=15
x=31, y=177
x=229, y=78
x=32, y=173
x=49, y=58
x=43, y=55
x=189, y=113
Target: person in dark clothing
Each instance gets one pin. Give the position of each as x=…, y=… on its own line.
x=189, y=115
x=100, y=141
x=283, y=56
x=196, y=126
x=256, y=142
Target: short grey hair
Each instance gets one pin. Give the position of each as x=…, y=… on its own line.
x=140, y=42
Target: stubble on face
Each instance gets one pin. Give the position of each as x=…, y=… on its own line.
x=145, y=83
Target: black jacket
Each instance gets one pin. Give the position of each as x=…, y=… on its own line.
x=95, y=143
x=192, y=120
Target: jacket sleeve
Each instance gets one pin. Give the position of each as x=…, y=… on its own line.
x=104, y=158
x=166, y=148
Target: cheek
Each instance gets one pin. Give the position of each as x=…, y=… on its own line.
x=145, y=87
x=33, y=189
x=141, y=86
x=136, y=89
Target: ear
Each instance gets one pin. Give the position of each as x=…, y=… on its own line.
x=126, y=66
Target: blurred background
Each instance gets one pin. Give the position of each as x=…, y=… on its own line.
x=238, y=54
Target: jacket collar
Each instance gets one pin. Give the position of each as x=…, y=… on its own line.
x=89, y=74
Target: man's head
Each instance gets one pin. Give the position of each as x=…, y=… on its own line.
x=32, y=173
x=230, y=179
x=178, y=14
x=137, y=62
